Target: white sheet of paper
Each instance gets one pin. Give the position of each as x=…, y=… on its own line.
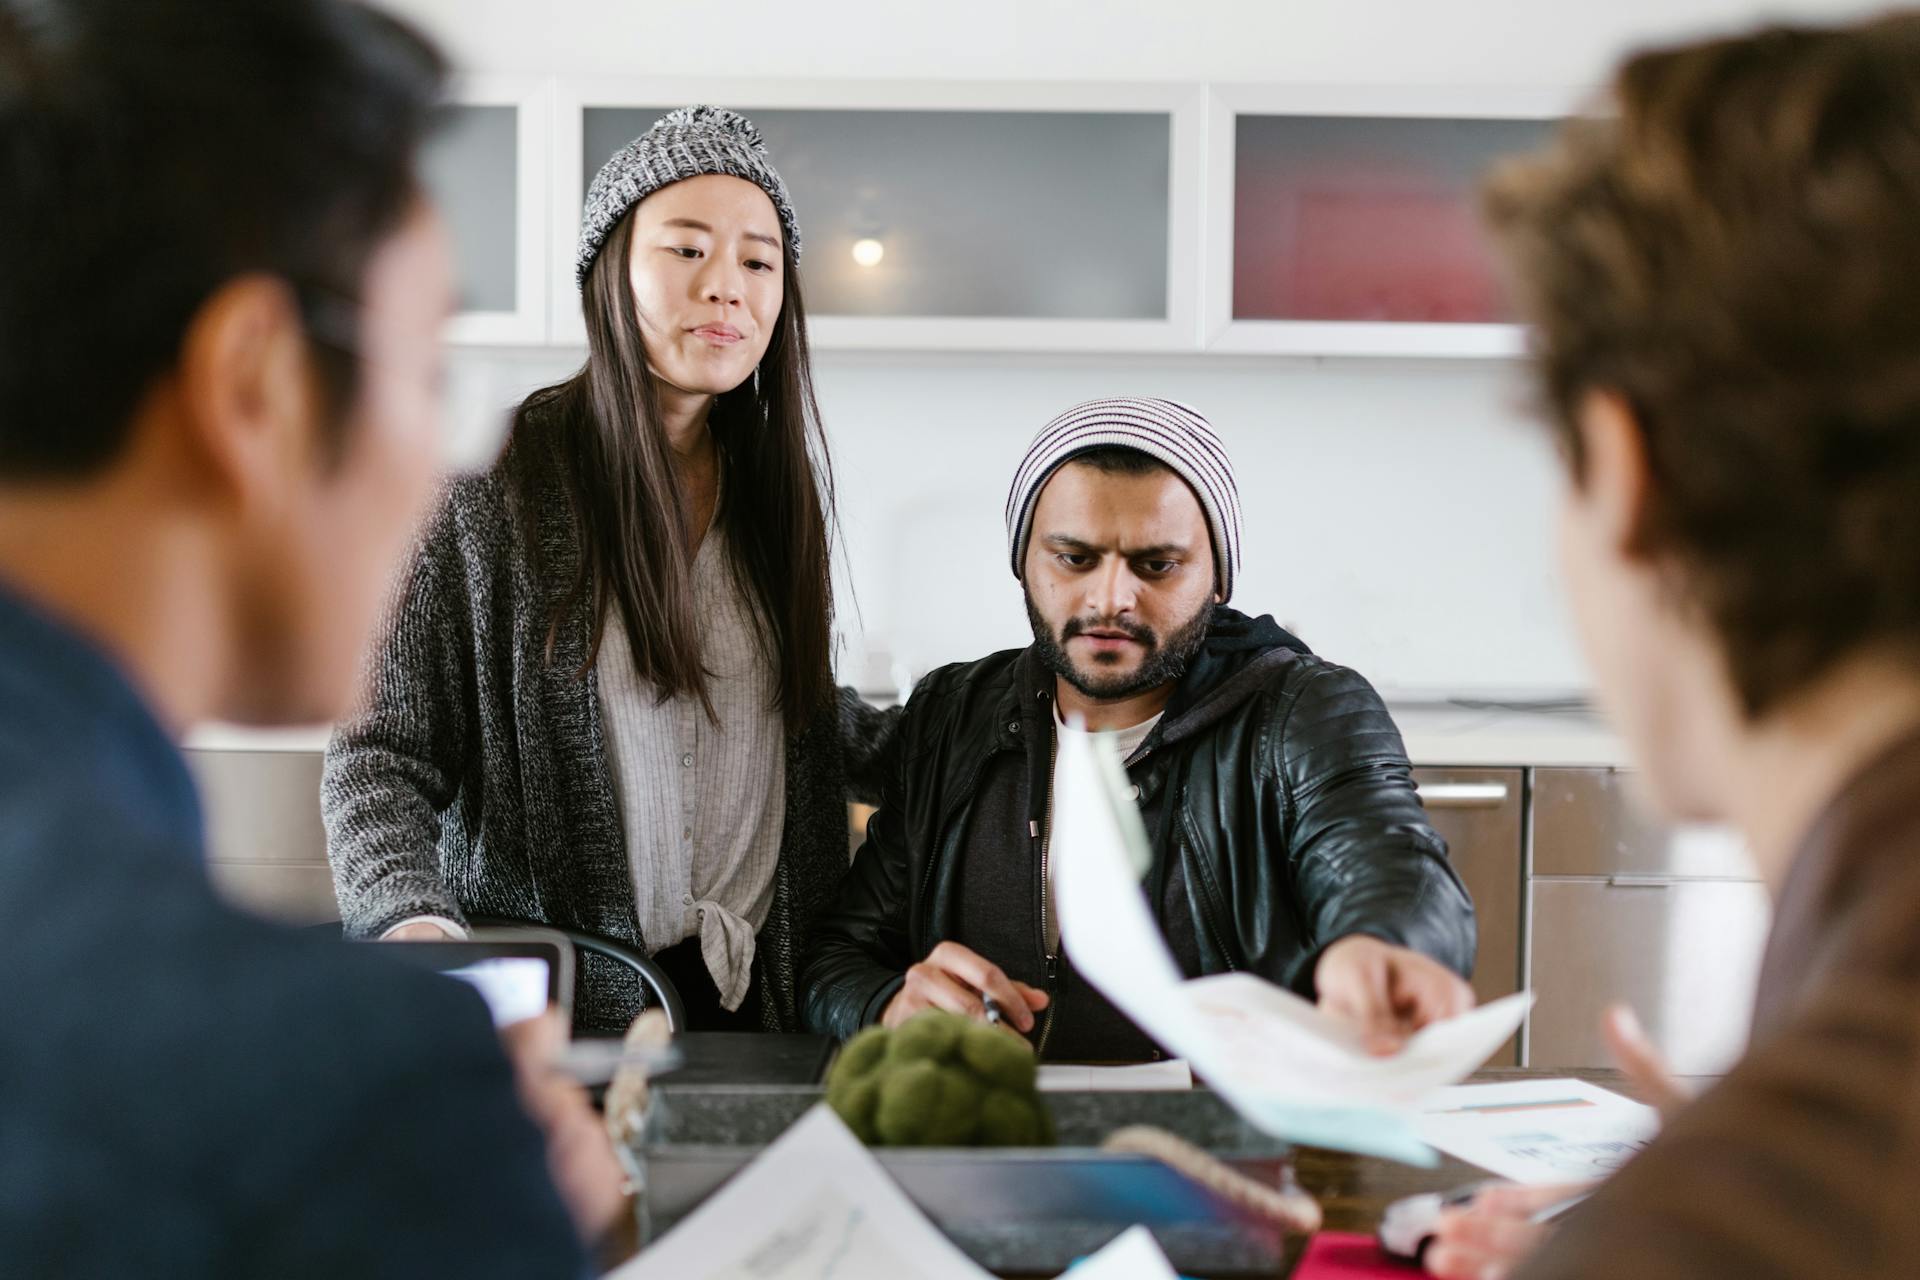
x=1538, y=1131
x=1132, y=1255
x=1287, y=1067
x=815, y=1205
x=1169, y=1076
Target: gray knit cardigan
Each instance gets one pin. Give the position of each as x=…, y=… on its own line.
x=474, y=781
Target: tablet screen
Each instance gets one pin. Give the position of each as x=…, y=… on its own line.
x=514, y=987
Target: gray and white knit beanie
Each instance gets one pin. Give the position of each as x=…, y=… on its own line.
x=1174, y=433
x=686, y=143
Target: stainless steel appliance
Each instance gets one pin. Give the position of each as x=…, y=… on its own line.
x=1481, y=813
x=1618, y=908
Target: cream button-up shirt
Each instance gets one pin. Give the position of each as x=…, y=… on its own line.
x=702, y=802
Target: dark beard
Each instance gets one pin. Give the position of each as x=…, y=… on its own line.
x=1166, y=661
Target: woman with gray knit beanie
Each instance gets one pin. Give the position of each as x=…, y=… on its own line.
x=604, y=699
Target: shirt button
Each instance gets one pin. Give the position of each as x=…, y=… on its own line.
x=1136, y=791
x=686, y=899
x=686, y=761
x=686, y=833
x=1013, y=726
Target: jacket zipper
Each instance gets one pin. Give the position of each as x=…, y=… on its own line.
x=1042, y=837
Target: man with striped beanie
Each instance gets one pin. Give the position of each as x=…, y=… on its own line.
x=1288, y=838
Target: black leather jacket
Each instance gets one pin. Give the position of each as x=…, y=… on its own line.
x=1285, y=794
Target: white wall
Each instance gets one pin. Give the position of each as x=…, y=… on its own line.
x=1398, y=512
x=1470, y=42
x=1397, y=515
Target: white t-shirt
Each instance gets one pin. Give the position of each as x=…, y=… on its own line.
x=1128, y=742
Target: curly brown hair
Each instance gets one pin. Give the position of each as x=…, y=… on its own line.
x=1734, y=249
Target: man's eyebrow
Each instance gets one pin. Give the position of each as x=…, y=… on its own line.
x=1159, y=550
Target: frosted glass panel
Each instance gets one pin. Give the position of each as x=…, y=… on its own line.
x=470, y=166
x=1339, y=218
x=974, y=213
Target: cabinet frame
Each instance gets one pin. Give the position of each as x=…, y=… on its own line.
x=1184, y=104
x=531, y=97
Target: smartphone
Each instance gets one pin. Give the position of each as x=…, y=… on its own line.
x=520, y=973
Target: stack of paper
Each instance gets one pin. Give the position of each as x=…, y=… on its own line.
x=1538, y=1131
x=1290, y=1069
x=1170, y=1076
x=816, y=1205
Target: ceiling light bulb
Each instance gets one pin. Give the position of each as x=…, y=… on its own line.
x=868, y=252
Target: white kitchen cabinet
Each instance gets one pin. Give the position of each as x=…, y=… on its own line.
x=948, y=216
x=1171, y=218
x=266, y=847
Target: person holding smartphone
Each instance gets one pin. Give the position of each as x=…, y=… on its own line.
x=222, y=291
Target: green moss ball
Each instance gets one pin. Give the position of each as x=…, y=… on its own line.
x=1003, y=1061
x=932, y=1035
x=856, y=1100
x=1008, y=1120
x=939, y=1079
x=910, y=1093
x=956, y=1117
x=863, y=1053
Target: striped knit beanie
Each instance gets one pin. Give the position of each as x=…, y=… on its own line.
x=682, y=144
x=1164, y=429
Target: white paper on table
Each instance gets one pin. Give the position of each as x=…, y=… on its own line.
x=1132, y=1255
x=815, y=1205
x=1286, y=1066
x=1169, y=1076
x=1538, y=1131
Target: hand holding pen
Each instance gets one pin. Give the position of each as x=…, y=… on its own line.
x=962, y=981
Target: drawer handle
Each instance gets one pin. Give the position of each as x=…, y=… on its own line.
x=1639, y=882
x=1464, y=795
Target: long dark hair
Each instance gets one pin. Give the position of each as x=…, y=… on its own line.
x=630, y=516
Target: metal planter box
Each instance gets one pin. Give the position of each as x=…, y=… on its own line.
x=1013, y=1210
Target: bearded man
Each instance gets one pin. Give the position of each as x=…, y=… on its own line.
x=1288, y=839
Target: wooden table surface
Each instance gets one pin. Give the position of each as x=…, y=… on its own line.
x=1355, y=1190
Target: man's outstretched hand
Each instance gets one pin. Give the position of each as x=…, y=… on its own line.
x=1387, y=992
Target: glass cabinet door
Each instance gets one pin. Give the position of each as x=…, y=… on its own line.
x=963, y=214
x=471, y=165
x=1344, y=218
x=485, y=167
